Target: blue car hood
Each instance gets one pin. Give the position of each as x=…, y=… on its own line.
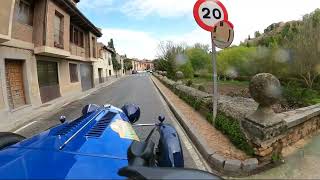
x=91, y=147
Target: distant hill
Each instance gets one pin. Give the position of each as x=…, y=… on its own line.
x=274, y=34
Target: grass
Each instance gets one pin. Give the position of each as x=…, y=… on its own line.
x=295, y=96
x=231, y=128
x=199, y=80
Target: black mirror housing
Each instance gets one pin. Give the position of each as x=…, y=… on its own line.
x=132, y=111
x=89, y=108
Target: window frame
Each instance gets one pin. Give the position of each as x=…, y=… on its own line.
x=59, y=44
x=94, y=47
x=74, y=76
x=28, y=20
x=77, y=37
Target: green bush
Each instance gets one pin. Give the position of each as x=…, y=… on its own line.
x=187, y=69
x=231, y=128
x=300, y=97
x=201, y=88
x=196, y=104
x=189, y=83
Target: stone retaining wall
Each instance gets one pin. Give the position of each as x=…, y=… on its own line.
x=236, y=107
x=268, y=133
x=294, y=126
x=233, y=107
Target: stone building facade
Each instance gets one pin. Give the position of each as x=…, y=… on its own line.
x=47, y=51
x=103, y=68
x=142, y=65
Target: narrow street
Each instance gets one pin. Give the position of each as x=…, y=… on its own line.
x=137, y=89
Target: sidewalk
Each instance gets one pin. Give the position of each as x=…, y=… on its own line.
x=215, y=141
x=26, y=117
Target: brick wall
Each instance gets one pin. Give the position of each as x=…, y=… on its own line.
x=52, y=8
x=38, y=23
x=21, y=31
x=301, y=131
x=77, y=51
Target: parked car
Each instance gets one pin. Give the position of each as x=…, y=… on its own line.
x=134, y=72
x=101, y=144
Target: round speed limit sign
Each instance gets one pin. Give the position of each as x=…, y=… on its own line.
x=208, y=13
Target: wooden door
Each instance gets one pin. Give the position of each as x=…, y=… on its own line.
x=15, y=86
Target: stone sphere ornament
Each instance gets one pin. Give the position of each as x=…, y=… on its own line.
x=179, y=75
x=265, y=89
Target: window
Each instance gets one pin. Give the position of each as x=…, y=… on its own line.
x=71, y=33
x=81, y=44
x=25, y=13
x=73, y=69
x=101, y=53
x=109, y=72
x=47, y=73
x=94, y=53
x=58, y=30
x=76, y=36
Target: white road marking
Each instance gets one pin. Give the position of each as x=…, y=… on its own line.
x=194, y=153
x=25, y=126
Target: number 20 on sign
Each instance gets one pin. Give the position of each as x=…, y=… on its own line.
x=208, y=13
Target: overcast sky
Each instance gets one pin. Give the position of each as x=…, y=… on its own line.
x=137, y=26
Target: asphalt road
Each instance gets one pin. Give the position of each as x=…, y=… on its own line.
x=138, y=89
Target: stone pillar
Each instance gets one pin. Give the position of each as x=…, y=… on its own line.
x=264, y=127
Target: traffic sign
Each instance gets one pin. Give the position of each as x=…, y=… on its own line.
x=209, y=12
x=223, y=34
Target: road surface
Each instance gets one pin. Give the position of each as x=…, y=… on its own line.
x=137, y=89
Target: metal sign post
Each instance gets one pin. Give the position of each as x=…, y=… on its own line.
x=212, y=16
x=215, y=79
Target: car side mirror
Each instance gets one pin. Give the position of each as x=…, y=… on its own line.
x=132, y=111
x=89, y=108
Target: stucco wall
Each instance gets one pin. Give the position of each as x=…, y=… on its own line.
x=66, y=87
x=30, y=75
x=104, y=65
x=5, y=16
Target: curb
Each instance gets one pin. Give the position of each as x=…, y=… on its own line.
x=226, y=167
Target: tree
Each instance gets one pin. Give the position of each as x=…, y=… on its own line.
x=110, y=44
x=160, y=65
x=115, y=63
x=127, y=63
x=305, y=49
x=199, y=57
x=168, y=51
x=257, y=34
x=187, y=70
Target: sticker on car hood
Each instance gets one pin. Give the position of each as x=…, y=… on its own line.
x=124, y=129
